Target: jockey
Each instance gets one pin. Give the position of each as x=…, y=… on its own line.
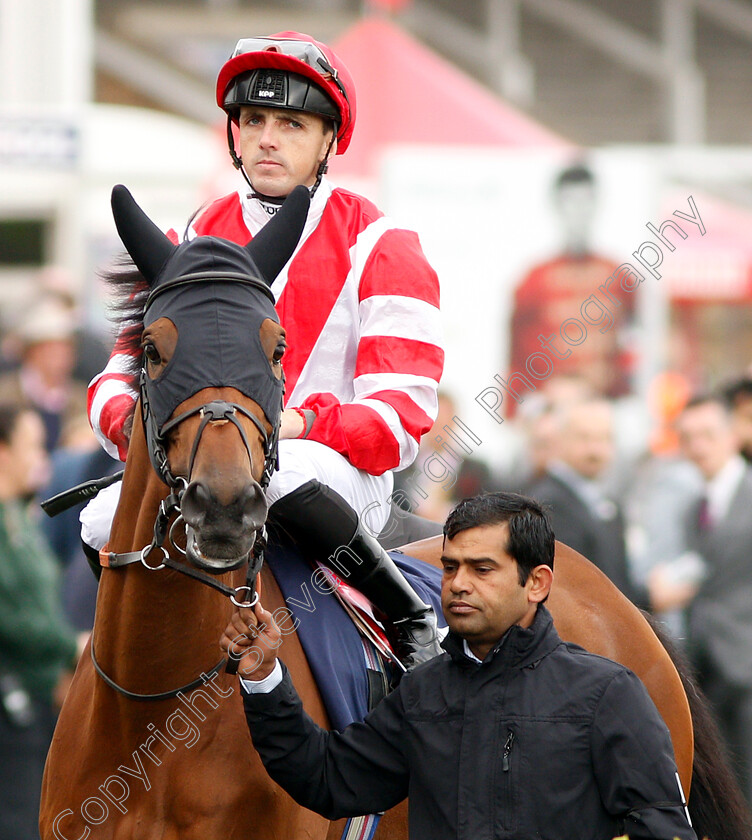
x=359, y=303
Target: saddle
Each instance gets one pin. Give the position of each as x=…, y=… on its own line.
x=344, y=641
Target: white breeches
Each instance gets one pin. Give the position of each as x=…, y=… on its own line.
x=300, y=461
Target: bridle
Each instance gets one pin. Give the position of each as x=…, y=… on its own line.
x=211, y=412
x=214, y=411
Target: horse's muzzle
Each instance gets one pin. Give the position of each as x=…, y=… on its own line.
x=220, y=536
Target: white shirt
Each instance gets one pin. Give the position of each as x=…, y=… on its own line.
x=721, y=489
x=469, y=653
x=265, y=686
x=588, y=490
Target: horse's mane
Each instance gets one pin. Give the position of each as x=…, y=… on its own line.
x=128, y=292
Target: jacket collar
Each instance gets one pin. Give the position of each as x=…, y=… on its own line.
x=517, y=648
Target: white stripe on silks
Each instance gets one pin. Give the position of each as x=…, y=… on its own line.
x=106, y=391
x=108, y=446
x=408, y=446
x=401, y=316
x=420, y=389
x=365, y=243
x=120, y=363
x=330, y=367
x=255, y=217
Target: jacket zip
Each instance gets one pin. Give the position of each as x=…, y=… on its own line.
x=507, y=750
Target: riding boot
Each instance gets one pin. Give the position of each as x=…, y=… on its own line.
x=318, y=516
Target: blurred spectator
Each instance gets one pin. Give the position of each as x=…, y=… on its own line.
x=738, y=394
x=720, y=614
x=537, y=422
x=661, y=489
x=78, y=458
x=37, y=646
x=444, y=472
x=44, y=339
x=567, y=287
x=91, y=350
x=539, y=430
x=583, y=514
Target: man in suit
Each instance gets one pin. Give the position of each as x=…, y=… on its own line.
x=720, y=531
x=583, y=514
x=738, y=395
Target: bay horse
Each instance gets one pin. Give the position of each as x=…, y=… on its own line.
x=151, y=741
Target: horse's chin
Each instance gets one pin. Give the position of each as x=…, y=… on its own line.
x=216, y=557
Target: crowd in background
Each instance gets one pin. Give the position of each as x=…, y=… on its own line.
x=47, y=591
x=669, y=526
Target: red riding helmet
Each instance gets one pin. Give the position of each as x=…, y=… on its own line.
x=310, y=77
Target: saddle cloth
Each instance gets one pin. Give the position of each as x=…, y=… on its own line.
x=329, y=637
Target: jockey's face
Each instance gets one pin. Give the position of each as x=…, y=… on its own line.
x=282, y=149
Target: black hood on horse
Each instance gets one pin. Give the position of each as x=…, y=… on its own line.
x=217, y=295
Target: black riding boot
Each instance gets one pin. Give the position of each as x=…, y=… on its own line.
x=317, y=516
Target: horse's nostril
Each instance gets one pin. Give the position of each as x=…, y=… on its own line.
x=196, y=501
x=255, y=507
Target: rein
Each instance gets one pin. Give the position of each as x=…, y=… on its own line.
x=162, y=695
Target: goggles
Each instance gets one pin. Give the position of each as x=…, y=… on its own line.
x=303, y=51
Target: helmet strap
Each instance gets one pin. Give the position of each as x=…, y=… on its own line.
x=324, y=165
x=237, y=162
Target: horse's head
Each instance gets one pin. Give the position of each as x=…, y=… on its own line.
x=211, y=378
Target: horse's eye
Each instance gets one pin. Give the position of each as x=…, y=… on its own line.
x=152, y=354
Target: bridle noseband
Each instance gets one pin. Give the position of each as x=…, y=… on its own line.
x=210, y=412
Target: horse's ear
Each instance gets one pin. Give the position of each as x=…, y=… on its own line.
x=145, y=242
x=274, y=244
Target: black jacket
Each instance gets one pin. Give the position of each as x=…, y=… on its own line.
x=542, y=740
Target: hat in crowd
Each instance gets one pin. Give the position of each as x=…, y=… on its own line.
x=47, y=320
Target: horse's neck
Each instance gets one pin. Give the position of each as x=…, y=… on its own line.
x=153, y=627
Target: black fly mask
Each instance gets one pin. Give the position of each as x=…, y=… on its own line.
x=217, y=295
x=218, y=318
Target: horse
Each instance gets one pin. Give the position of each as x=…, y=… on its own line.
x=151, y=741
